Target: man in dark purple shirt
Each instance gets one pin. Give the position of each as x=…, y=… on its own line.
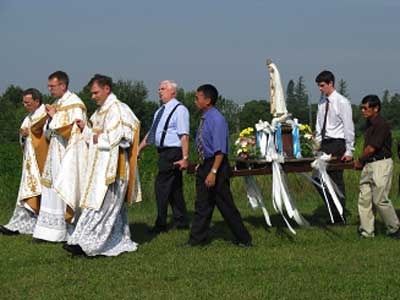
x=213, y=172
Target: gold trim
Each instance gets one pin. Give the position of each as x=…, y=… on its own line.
x=71, y=106
x=46, y=182
x=96, y=156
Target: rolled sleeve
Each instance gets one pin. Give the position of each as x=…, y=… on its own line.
x=220, y=137
x=348, y=126
x=182, y=121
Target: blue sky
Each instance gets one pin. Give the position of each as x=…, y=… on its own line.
x=194, y=42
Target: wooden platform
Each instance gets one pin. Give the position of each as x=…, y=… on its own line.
x=249, y=167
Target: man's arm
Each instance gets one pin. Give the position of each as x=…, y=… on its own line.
x=183, y=163
x=143, y=144
x=210, y=180
x=367, y=152
x=348, y=126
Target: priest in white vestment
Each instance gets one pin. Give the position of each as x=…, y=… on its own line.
x=63, y=134
x=34, y=145
x=112, y=135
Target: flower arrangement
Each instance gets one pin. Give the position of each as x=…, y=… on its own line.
x=246, y=144
x=306, y=140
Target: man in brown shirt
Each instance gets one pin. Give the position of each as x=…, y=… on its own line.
x=377, y=171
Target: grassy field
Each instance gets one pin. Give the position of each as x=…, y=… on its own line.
x=319, y=262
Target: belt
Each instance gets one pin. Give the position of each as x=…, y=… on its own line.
x=163, y=149
x=331, y=140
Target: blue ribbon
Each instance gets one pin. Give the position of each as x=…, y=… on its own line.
x=278, y=138
x=296, y=141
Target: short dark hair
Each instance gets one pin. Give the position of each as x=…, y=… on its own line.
x=36, y=95
x=210, y=92
x=372, y=100
x=101, y=80
x=325, y=76
x=61, y=76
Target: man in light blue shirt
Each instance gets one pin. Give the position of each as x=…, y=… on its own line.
x=170, y=133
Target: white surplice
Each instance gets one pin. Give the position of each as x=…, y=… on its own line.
x=103, y=227
x=24, y=217
x=51, y=224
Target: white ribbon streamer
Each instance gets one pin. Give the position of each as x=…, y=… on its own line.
x=327, y=185
x=255, y=197
x=281, y=199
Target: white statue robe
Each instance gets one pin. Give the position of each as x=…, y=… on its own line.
x=34, y=148
x=278, y=103
x=63, y=134
x=111, y=181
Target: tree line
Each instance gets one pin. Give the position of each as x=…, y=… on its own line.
x=135, y=94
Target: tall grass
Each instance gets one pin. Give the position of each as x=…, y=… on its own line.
x=320, y=262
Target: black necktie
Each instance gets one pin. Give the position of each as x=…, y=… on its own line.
x=323, y=131
x=151, y=138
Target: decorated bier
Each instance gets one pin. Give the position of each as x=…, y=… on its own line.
x=279, y=147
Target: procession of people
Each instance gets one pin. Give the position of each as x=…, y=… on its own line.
x=79, y=174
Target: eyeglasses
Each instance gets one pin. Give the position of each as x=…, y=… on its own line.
x=51, y=86
x=364, y=107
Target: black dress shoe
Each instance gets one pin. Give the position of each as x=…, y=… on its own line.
x=395, y=235
x=75, y=250
x=5, y=231
x=156, y=230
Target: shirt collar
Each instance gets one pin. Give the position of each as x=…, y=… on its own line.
x=332, y=96
x=208, y=112
x=170, y=103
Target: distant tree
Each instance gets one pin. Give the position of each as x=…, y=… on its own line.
x=342, y=88
x=386, y=105
x=290, y=96
x=253, y=111
x=300, y=109
x=86, y=97
x=133, y=93
x=12, y=113
x=13, y=94
x=231, y=111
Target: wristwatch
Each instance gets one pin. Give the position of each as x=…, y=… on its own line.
x=214, y=171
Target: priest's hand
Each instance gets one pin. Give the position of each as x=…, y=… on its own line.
x=50, y=110
x=182, y=164
x=358, y=165
x=210, y=180
x=24, y=132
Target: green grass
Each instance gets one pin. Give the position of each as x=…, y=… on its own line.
x=318, y=263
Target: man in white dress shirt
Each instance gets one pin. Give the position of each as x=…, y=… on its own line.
x=335, y=131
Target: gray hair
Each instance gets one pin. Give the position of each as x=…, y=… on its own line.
x=171, y=84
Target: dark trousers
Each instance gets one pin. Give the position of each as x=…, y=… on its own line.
x=207, y=198
x=336, y=147
x=169, y=188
